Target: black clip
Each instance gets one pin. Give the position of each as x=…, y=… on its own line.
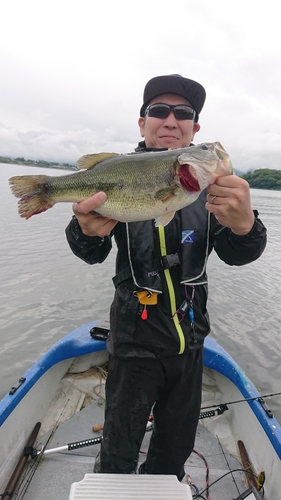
x=265, y=407
x=15, y=387
x=184, y=307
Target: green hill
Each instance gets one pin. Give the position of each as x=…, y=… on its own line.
x=264, y=178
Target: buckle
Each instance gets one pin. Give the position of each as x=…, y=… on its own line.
x=170, y=260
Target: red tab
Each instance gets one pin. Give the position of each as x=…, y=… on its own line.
x=144, y=314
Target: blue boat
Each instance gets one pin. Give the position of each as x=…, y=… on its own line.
x=48, y=444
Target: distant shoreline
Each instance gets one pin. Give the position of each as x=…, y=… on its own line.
x=37, y=163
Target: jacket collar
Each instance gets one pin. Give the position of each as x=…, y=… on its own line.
x=141, y=148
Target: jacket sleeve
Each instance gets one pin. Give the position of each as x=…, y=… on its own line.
x=237, y=250
x=91, y=249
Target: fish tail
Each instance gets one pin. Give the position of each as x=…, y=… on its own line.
x=33, y=193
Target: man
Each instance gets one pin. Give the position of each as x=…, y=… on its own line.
x=155, y=342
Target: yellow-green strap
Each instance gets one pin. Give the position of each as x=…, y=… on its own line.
x=171, y=290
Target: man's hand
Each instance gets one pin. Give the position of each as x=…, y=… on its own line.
x=93, y=224
x=229, y=200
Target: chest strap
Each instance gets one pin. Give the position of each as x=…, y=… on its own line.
x=122, y=276
x=167, y=262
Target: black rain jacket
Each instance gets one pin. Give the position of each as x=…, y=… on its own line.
x=171, y=263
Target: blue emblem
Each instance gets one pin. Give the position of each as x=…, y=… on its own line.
x=187, y=236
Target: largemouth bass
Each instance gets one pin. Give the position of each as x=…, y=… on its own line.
x=139, y=186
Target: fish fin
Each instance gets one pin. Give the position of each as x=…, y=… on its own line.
x=90, y=161
x=22, y=185
x=165, y=194
x=164, y=219
x=30, y=190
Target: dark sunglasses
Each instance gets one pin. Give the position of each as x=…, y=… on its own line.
x=162, y=111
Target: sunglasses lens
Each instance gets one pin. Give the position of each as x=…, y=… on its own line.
x=159, y=111
x=183, y=112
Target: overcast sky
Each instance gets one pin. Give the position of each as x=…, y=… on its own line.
x=72, y=74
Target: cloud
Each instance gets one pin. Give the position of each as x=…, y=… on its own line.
x=72, y=74
x=59, y=146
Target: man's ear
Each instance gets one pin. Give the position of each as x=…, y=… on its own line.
x=196, y=128
x=141, y=123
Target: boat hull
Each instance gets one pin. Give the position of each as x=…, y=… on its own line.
x=223, y=381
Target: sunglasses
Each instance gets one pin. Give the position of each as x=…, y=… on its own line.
x=162, y=111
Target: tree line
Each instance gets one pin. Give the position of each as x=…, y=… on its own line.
x=37, y=163
x=264, y=178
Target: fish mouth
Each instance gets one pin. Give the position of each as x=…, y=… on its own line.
x=188, y=178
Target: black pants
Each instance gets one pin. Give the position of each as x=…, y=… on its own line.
x=173, y=386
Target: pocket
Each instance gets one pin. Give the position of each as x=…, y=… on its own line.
x=124, y=309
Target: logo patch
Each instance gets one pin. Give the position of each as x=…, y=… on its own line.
x=187, y=236
x=153, y=273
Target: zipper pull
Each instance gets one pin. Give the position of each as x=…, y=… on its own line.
x=144, y=314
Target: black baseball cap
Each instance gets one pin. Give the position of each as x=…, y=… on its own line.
x=174, y=84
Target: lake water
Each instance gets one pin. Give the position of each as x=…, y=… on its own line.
x=46, y=292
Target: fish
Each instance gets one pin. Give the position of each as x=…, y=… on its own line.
x=139, y=186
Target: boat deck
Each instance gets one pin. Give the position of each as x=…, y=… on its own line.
x=57, y=471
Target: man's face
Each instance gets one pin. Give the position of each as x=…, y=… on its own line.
x=168, y=132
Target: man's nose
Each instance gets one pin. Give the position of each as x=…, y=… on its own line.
x=170, y=121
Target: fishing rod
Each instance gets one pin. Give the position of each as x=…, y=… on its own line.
x=260, y=399
x=14, y=479
x=68, y=447
x=97, y=440
x=28, y=451
x=77, y=445
x=211, y=411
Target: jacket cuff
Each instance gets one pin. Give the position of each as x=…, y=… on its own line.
x=255, y=232
x=80, y=237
